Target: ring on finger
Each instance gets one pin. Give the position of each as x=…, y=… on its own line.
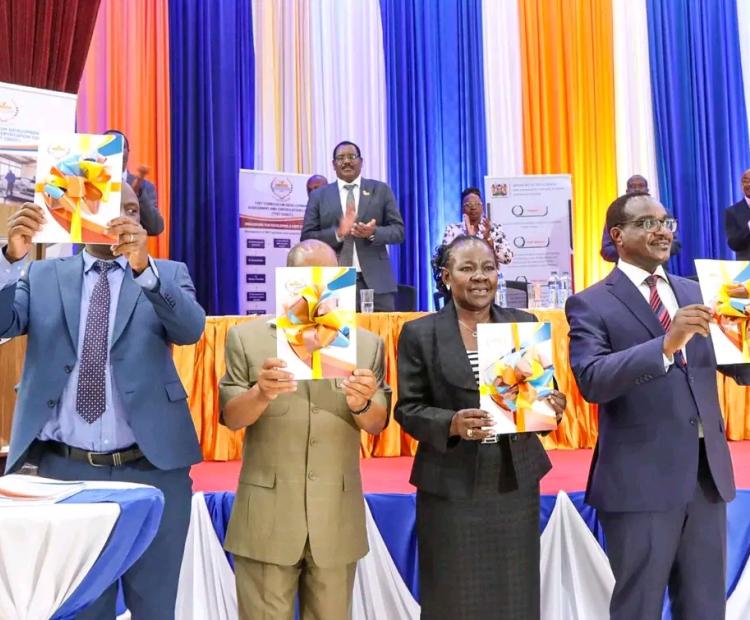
x=470, y=433
x=132, y=237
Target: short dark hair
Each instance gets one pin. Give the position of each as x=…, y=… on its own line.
x=616, y=210
x=346, y=143
x=117, y=132
x=470, y=190
x=443, y=254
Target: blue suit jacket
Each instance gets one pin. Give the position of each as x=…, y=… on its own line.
x=45, y=305
x=646, y=458
x=376, y=202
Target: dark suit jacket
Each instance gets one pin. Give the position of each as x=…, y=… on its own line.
x=646, y=458
x=45, y=305
x=151, y=219
x=434, y=381
x=736, y=220
x=376, y=202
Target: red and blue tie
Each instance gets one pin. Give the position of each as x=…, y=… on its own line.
x=661, y=312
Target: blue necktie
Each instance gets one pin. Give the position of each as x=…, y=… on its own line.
x=91, y=399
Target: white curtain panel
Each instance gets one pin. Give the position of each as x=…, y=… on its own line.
x=502, y=87
x=379, y=591
x=348, y=84
x=206, y=588
x=743, y=21
x=634, y=117
x=577, y=581
x=47, y=550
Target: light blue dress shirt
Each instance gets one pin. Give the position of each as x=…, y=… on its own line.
x=111, y=431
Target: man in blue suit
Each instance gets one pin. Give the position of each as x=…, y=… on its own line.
x=357, y=217
x=661, y=473
x=100, y=398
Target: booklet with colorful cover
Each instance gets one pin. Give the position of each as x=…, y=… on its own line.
x=316, y=321
x=516, y=375
x=78, y=181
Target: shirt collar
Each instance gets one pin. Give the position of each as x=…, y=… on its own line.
x=637, y=275
x=357, y=182
x=89, y=260
x=747, y=201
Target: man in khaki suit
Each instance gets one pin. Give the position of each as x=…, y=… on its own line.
x=298, y=521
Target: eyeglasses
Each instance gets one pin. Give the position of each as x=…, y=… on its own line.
x=652, y=224
x=346, y=157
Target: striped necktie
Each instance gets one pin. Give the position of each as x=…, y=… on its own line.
x=346, y=256
x=661, y=312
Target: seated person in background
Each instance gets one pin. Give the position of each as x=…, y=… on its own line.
x=100, y=398
x=475, y=224
x=316, y=181
x=635, y=184
x=737, y=222
x=298, y=522
x=151, y=219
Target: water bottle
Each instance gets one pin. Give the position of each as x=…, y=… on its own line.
x=564, y=291
x=501, y=295
x=553, y=286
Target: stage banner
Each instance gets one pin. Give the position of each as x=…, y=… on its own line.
x=535, y=213
x=272, y=207
x=25, y=113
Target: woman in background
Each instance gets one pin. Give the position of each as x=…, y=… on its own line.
x=477, y=503
x=475, y=224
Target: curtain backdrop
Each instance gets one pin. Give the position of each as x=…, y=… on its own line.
x=43, y=43
x=743, y=22
x=436, y=121
x=701, y=124
x=634, y=113
x=569, y=113
x=502, y=87
x=211, y=77
x=125, y=86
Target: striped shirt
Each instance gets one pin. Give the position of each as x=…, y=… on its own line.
x=474, y=361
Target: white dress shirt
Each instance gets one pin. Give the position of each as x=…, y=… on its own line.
x=343, y=194
x=638, y=276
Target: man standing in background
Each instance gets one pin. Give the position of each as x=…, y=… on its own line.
x=316, y=181
x=737, y=221
x=357, y=217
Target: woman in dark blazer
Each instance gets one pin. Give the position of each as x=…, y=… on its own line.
x=477, y=503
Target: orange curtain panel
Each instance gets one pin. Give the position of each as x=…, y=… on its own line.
x=125, y=86
x=567, y=76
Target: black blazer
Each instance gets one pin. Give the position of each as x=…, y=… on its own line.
x=736, y=218
x=434, y=381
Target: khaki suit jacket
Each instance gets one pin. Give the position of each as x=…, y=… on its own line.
x=300, y=475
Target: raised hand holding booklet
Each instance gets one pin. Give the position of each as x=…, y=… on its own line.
x=316, y=321
x=516, y=375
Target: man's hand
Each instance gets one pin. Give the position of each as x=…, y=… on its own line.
x=132, y=242
x=22, y=226
x=346, y=223
x=557, y=400
x=468, y=424
x=362, y=230
x=359, y=388
x=687, y=322
x=273, y=380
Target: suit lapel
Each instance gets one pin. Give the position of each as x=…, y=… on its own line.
x=365, y=193
x=451, y=350
x=129, y=293
x=70, y=281
x=622, y=288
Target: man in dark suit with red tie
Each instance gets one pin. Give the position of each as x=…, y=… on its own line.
x=661, y=473
x=737, y=222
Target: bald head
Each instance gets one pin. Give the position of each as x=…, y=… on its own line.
x=314, y=182
x=636, y=183
x=311, y=253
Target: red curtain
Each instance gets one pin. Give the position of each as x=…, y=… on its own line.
x=44, y=43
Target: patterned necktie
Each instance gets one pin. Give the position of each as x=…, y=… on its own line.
x=661, y=312
x=346, y=257
x=91, y=398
